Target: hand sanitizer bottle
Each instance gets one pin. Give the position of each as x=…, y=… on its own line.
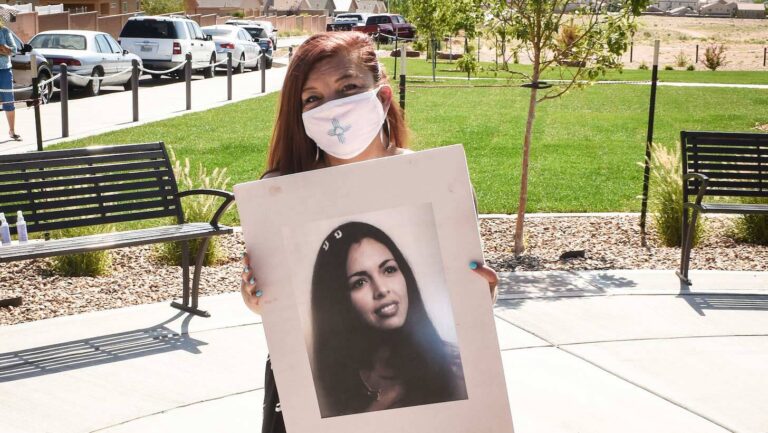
x=21, y=227
x=5, y=231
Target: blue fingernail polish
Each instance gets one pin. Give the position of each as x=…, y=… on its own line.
x=246, y=269
x=252, y=281
x=259, y=293
x=473, y=265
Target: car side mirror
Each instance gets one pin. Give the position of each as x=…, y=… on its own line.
x=26, y=48
x=208, y=37
x=125, y=52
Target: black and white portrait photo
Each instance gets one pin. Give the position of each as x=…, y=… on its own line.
x=374, y=326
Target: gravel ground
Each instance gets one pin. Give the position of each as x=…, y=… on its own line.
x=611, y=242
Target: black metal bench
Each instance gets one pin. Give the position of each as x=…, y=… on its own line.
x=65, y=189
x=721, y=164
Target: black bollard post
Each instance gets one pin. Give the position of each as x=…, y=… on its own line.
x=290, y=54
x=263, y=67
x=466, y=53
x=697, y=54
x=649, y=140
x=36, y=102
x=64, y=96
x=402, y=79
x=229, y=76
x=395, y=73
x=135, y=88
x=188, y=79
x=765, y=54
x=478, y=48
x=631, y=51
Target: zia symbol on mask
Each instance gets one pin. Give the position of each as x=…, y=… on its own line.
x=338, y=130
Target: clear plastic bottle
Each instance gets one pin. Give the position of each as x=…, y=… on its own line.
x=21, y=227
x=5, y=231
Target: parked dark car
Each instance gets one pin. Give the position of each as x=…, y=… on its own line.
x=387, y=25
x=22, y=71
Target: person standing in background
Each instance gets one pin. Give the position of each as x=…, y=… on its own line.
x=7, y=49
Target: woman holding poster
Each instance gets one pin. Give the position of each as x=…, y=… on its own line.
x=335, y=108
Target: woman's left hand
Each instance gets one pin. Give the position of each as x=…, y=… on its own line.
x=489, y=275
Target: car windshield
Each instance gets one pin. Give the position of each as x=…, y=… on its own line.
x=149, y=28
x=59, y=41
x=219, y=32
x=257, y=32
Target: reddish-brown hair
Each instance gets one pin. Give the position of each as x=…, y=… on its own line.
x=291, y=150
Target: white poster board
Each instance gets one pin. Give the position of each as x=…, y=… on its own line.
x=374, y=321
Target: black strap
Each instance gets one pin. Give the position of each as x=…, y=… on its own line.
x=273, y=417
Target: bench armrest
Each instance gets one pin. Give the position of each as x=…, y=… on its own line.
x=228, y=197
x=702, y=188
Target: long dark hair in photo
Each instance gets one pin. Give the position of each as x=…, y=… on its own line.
x=343, y=344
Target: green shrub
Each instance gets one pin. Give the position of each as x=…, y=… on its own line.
x=86, y=264
x=666, y=197
x=669, y=68
x=467, y=63
x=752, y=229
x=681, y=59
x=643, y=66
x=197, y=208
x=419, y=45
x=690, y=68
x=714, y=57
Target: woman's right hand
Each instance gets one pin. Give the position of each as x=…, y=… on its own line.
x=251, y=294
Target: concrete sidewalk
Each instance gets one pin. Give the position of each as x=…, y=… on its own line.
x=113, y=109
x=602, y=351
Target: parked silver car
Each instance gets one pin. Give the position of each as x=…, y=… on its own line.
x=86, y=54
x=235, y=40
x=23, y=72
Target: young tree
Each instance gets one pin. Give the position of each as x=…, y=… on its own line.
x=603, y=29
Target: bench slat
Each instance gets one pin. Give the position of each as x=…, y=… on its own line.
x=693, y=158
x=735, y=208
x=82, y=151
x=50, y=205
x=123, y=239
x=109, y=219
x=163, y=184
x=735, y=150
x=706, y=167
x=725, y=192
x=86, y=211
x=757, y=177
x=73, y=181
x=81, y=171
x=83, y=160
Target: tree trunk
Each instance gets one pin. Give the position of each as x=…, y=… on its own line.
x=520, y=222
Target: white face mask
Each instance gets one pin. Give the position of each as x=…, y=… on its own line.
x=345, y=127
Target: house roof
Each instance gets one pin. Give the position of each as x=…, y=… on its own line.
x=320, y=5
x=345, y=5
x=239, y=4
x=287, y=5
x=371, y=6
x=750, y=6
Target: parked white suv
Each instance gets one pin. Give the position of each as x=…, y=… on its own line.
x=162, y=42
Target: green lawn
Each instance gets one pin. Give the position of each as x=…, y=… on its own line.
x=421, y=67
x=586, y=146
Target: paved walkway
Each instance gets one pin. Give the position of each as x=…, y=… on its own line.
x=603, y=351
x=113, y=110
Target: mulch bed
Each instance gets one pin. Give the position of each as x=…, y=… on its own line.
x=610, y=242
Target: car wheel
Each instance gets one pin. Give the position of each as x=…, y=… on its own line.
x=94, y=86
x=128, y=85
x=240, y=65
x=46, y=90
x=209, y=71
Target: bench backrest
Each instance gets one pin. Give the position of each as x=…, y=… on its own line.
x=736, y=163
x=64, y=189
